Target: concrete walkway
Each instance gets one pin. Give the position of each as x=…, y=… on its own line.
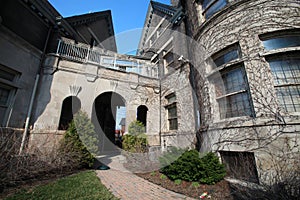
x=128, y=186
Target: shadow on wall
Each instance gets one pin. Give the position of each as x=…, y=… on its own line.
x=43, y=96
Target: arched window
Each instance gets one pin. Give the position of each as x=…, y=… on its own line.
x=142, y=114
x=71, y=105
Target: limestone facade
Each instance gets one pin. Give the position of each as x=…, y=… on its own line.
x=268, y=126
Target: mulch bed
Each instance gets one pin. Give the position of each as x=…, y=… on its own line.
x=220, y=190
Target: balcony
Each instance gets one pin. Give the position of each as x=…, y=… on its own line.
x=80, y=52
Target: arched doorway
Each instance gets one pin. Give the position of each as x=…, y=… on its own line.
x=71, y=105
x=142, y=114
x=106, y=110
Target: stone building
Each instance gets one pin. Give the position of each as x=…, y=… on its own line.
x=26, y=39
x=163, y=42
x=223, y=71
x=246, y=66
x=77, y=67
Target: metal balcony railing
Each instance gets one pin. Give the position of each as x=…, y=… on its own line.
x=83, y=53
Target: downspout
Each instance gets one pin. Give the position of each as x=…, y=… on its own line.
x=37, y=78
x=160, y=140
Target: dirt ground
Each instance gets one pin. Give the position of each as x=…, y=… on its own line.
x=221, y=190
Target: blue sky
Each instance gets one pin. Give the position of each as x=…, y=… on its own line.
x=128, y=17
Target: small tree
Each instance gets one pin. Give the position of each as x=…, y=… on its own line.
x=86, y=131
x=136, y=128
x=80, y=140
x=136, y=140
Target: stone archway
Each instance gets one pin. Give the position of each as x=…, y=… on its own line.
x=70, y=106
x=104, y=117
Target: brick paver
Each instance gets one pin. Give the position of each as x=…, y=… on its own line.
x=128, y=186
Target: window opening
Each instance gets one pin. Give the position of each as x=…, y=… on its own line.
x=281, y=39
x=210, y=7
x=233, y=93
x=286, y=76
x=172, y=112
x=226, y=55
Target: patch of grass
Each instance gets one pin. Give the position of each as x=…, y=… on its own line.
x=82, y=186
x=163, y=177
x=177, y=182
x=195, y=184
x=153, y=173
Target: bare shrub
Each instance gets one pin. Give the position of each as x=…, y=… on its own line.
x=40, y=162
x=281, y=173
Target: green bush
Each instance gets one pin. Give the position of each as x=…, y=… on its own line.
x=190, y=167
x=135, y=144
x=170, y=156
x=86, y=130
x=136, y=140
x=136, y=128
x=80, y=142
x=178, y=182
x=212, y=170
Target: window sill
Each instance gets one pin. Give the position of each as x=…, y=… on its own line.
x=169, y=133
x=232, y=120
x=230, y=94
x=286, y=85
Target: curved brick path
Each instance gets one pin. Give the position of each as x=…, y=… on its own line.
x=128, y=186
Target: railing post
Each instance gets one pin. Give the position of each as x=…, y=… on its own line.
x=58, y=46
x=87, y=55
x=115, y=61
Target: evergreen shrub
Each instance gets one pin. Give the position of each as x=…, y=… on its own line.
x=135, y=144
x=80, y=142
x=190, y=167
x=136, y=140
x=136, y=128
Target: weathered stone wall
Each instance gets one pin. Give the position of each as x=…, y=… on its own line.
x=178, y=83
x=174, y=79
x=135, y=90
x=18, y=55
x=242, y=22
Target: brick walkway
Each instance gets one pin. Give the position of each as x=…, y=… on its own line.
x=128, y=186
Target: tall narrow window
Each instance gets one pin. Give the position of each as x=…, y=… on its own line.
x=8, y=87
x=168, y=58
x=172, y=111
x=142, y=114
x=285, y=67
x=232, y=89
x=4, y=94
x=233, y=93
x=286, y=75
x=210, y=7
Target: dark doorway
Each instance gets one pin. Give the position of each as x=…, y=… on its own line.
x=104, y=117
x=240, y=165
x=71, y=105
x=142, y=114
